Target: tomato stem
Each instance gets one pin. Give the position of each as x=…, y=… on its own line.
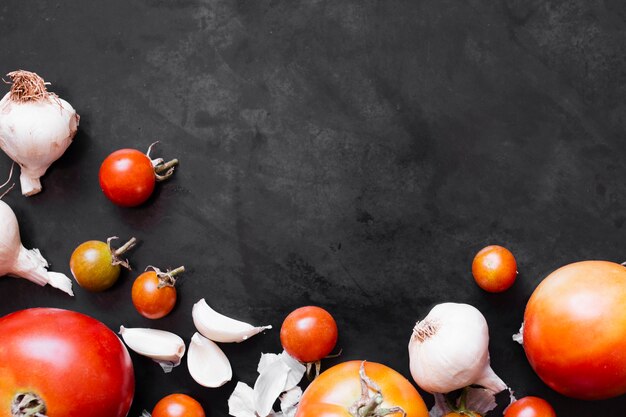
x=116, y=254
x=28, y=404
x=367, y=405
x=166, y=279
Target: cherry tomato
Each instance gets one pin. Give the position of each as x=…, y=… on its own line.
x=575, y=330
x=154, y=294
x=309, y=334
x=333, y=392
x=95, y=266
x=63, y=358
x=178, y=405
x=127, y=177
x=530, y=407
x=494, y=268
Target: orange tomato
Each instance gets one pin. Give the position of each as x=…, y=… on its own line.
x=150, y=299
x=178, y=405
x=494, y=268
x=337, y=389
x=575, y=330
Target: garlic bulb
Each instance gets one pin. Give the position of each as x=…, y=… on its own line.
x=36, y=127
x=220, y=328
x=165, y=348
x=18, y=261
x=448, y=350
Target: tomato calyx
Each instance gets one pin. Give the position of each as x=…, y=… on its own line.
x=461, y=408
x=166, y=279
x=317, y=366
x=28, y=404
x=162, y=170
x=368, y=405
x=117, y=253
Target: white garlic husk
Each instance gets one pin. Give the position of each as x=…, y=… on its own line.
x=448, y=350
x=165, y=348
x=36, y=127
x=207, y=363
x=17, y=261
x=221, y=328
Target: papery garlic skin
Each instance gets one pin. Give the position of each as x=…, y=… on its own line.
x=448, y=350
x=16, y=260
x=207, y=363
x=35, y=134
x=221, y=328
x=165, y=348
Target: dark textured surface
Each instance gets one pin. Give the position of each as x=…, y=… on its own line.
x=349, y=154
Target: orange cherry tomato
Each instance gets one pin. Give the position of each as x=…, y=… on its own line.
x=530, y=407
x=178, y=405
x=494, y=269
x=153, y=295
x=333, y=392
x=309, y=334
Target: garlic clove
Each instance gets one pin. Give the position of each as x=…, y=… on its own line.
x=165, y=348
x=30, y=264
x=207, y=364
x=220, y=328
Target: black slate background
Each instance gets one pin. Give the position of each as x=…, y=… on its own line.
x=349, y=154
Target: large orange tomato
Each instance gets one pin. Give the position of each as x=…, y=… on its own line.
x=575, y=330
x=339, y=388
x=60, y=363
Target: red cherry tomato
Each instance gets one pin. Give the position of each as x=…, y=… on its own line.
x=494, y=268
x=333, y=392
x=530, y=407
x=309, y=334
x=178, y=405
x=154, y=294
x=575, y=330
x=127, y=177
x=63, y=359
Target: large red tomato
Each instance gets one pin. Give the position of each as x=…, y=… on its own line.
x=575, y=330
x=71, y=364
x=339, y=388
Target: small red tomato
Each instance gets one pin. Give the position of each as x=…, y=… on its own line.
x=96, y=266
x=530, y=407
x=178, y=405
x=494, y=268
x=154, y=294
x=309, y=334
x=127, y=176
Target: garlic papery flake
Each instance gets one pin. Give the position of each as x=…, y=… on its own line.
x=36, y=127
x=220, y=328
x=165, y=348
x=16, y=260
x=448, y=350
x=207, y=364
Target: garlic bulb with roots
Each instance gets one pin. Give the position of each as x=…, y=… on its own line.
x=36, y=127
x=448, y=350
x=18, y=261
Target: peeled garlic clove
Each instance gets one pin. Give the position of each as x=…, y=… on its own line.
x=207, y=364
x=165, y=348
x=220, y=328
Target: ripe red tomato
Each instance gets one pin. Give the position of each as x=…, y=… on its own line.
x=127, y=177
x=152, y=297
x=309, y=334
x=71, y=363
x=575, y=330
x=530, y=407
x=494, y=268
x=333, y=392
x=178, y=405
